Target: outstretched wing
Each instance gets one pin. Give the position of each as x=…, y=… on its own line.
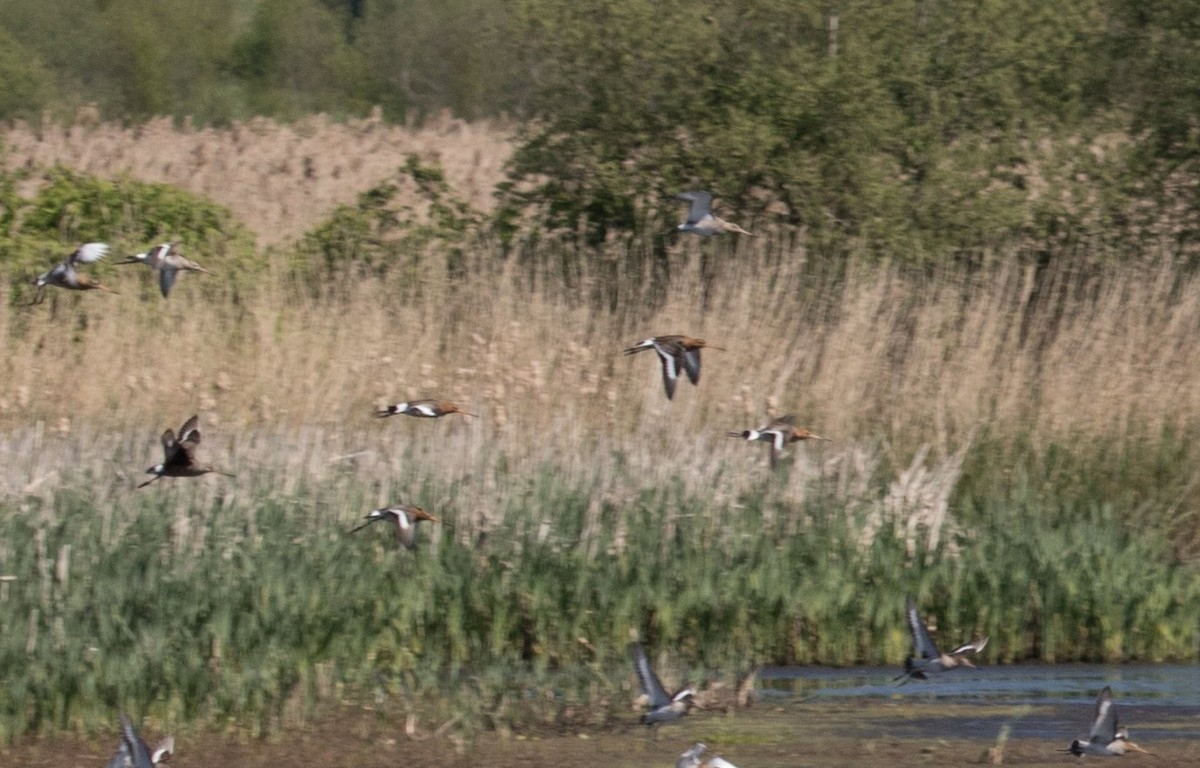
x=651, y=686
x=971, y=648
x=88, y=253
x=1104, y=727
x=166, y=279
x=923, y=646
x=778, y=438
x=122, y=758
x=691, y=364
x=782, y=423
x=188, y=433
x=699, y=204
x=133, y=746
x=163, y=752
x=669, y=356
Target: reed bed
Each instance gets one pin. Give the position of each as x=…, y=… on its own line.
x=1012, y=447
x=1012, y=441
x=280, y=177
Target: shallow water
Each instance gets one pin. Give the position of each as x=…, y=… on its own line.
x=1035, y=701
x=805, y=718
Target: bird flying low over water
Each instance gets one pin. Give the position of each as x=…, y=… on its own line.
x=663, y=708
x=779, y=433
x=428, y=409
x=700, y=220
x=168, y=262
x=405, y=517
x=1106, y=737
x=676, y=353
x=133, y=752
x=65, y=275
x=180, y=455
x=926, y=658
x=694, y=758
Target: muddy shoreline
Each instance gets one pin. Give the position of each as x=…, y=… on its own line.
x=856, y=733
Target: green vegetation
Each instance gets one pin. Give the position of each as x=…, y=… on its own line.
x=916, y=131
x=391, y=231
x=233, y=59
x=68, y=209
x=207, y=604
x=977, y=232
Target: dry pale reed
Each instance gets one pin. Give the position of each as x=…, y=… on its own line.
x=886, y=363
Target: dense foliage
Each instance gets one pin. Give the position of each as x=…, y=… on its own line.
x=912, y=129
x=110, y=609
x=69, y=208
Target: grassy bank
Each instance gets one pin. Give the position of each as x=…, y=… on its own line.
x=246, y=599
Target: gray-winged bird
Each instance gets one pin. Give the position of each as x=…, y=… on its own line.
x=926, y=658
x=700, y=220
x=676, y=353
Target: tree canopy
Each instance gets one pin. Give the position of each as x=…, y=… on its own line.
x=912, y=128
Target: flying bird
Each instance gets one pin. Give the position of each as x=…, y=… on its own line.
x=700, y=220
x=779, y=433
x=180, y=455
x=675, y=353
x=926, y=658
x=663, y=708
x=133, y=752
x=1106, y=737
x=427, y=409
x=168, y=262
x=405, y=517
x=65, y=275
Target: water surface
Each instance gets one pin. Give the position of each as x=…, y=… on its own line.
x=1034, y=700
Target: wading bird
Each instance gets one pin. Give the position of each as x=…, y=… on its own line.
x=426, y=409
x=405, y=517
x=675, y=352
x=779, y=433
x=167, y=261
x=663, y=708
x=1105, y=737
x=700, y=220
x=133, y=752
x=65, y=275
x=694, y=758
x=926, y=658
x=179, y=455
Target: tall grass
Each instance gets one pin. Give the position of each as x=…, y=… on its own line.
x=1012, y=447
x=246, y=599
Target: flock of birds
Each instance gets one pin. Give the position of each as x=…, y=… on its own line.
x=676, y=353
x=1106, y=737
x=181, y=452
x=165, y=259
x=168, y=262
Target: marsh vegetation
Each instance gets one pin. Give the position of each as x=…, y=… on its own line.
x=1012, y=443
x=993, y=318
